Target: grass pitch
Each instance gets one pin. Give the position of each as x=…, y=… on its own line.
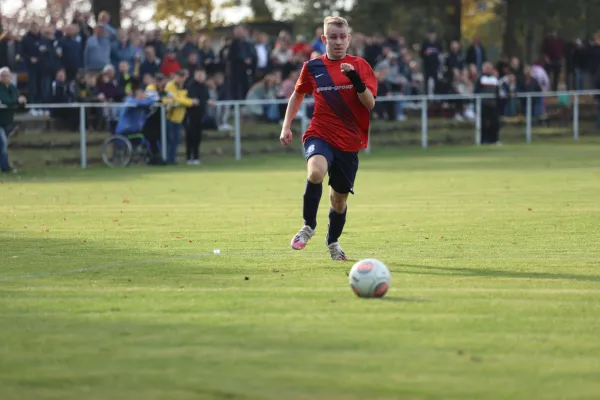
x=109, y=288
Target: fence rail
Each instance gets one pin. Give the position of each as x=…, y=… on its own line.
x=422, y=99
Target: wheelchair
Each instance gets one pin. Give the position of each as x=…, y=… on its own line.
x=124, y=150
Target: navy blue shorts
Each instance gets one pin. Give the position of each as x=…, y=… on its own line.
x=342, y=167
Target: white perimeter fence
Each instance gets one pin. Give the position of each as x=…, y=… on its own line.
x=424, y=100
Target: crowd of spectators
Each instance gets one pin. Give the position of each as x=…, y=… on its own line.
x=80, y=63
x=253, y=65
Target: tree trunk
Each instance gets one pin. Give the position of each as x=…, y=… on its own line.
x=260, y=10
x=113, y=7
x=453, y=31
x=510, y=45
x=530, y=43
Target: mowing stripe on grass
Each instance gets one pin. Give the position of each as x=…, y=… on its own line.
x=229, y=253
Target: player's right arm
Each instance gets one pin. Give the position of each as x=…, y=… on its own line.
x=292, y=109
x=304, y=86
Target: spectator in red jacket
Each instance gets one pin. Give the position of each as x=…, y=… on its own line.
x=553, y=51
x=302, y=48
x=170, y=65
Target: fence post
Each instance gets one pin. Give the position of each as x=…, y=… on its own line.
x=424, y=140
x=576, y=116
x=82, y=137
x=163, y=132
x=528, y=117
x=478, y=121
x=238, y=135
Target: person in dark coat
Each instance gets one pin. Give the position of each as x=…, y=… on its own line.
x=9, y=52
x=32, y=45
x=197, y=89
x=490, y=113
x=70, y=52
x=430, y=54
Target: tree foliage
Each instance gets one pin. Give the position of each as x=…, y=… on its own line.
x=526, y=22
x=61, y=12
x=411, y=18
x=175, y=15
x=483, y=22
x=314, y=11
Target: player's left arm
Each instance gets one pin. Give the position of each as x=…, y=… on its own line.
x=364, y=82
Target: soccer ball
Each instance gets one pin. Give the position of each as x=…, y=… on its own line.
x=370, y=278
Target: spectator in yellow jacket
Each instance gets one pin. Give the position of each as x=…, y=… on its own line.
x=179, y=102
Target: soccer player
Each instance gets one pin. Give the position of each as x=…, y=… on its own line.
x=344, y=88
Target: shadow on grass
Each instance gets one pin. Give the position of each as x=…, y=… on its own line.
x=489, y=273
x=24, y=258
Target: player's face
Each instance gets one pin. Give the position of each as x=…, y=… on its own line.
x=337, y=40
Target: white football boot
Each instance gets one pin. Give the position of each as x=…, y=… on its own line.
x=336, y=251
x=301, y=239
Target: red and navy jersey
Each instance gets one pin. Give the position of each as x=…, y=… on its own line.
x=339, y=117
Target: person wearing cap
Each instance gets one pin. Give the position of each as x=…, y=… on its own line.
x=180, y=102
x=9, y=100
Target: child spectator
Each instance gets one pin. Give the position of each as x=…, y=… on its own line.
x=109, y=92
x=125, y=78
x=508, y=95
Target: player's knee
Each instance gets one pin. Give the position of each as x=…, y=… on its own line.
x=317, y=168
x=315, y=176
x=338, y=202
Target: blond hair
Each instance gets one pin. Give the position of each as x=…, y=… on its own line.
x=337, y=21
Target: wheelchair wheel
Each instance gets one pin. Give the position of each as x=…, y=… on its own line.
x=117, y=152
